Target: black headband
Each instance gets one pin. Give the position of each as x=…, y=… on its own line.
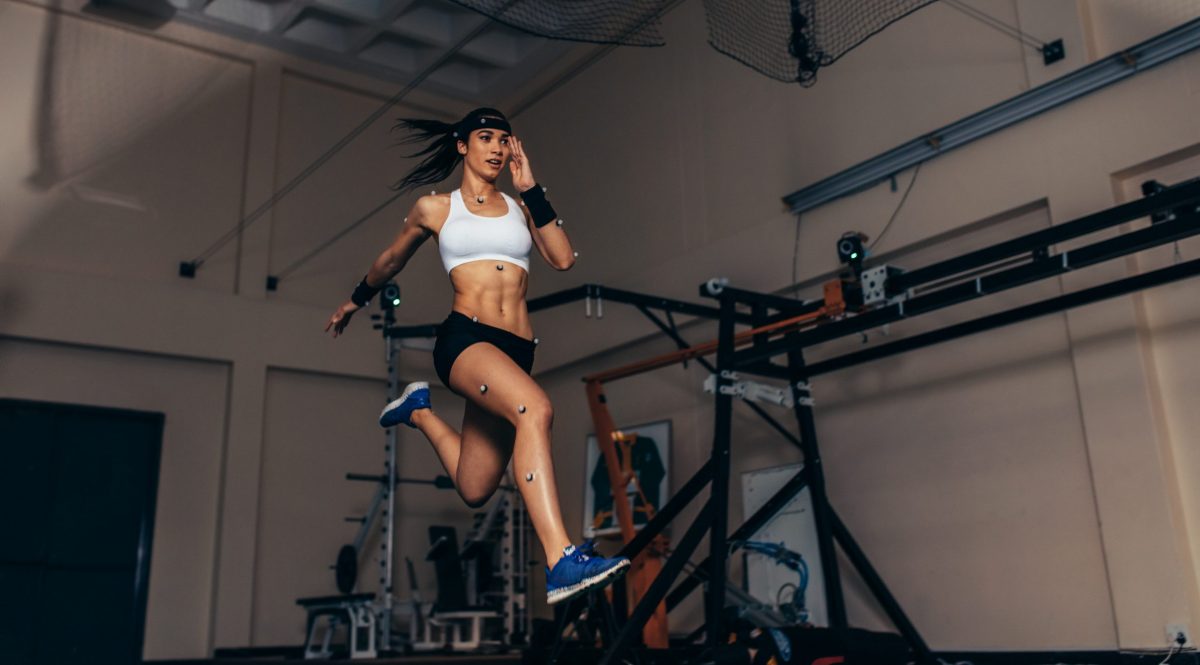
x=463, y=129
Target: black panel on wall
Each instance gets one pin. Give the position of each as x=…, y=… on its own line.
x=77, y=498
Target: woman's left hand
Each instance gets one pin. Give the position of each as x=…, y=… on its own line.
x=522, y=174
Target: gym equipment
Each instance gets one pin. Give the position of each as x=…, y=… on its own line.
x=356, y=611
x=482, y=588
x=364, y=616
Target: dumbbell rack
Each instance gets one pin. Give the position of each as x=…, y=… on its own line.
x=514, y=569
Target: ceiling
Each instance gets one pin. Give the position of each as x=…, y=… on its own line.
x=448, y=49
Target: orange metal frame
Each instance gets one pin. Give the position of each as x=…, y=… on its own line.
x=648, y=563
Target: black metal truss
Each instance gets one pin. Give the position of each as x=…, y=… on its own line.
x=1179, y=196
x=596, y=292
x=1181, y=225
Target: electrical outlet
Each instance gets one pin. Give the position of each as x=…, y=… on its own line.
x=1174, y=630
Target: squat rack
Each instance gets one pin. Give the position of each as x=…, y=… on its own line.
x=787, y=326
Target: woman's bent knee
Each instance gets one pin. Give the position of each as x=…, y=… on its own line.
x=539, y=414
x=476, y=498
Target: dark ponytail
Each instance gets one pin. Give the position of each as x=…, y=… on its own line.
x=441, y=155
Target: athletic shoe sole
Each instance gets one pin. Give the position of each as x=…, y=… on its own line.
x=408, y=391
x=597, y=582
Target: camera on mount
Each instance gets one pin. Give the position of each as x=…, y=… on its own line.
x=390, y=296
x=851, y=250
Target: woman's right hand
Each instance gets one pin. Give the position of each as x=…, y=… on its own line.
x=341, y=318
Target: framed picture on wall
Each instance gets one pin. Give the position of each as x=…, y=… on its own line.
x=650, y=458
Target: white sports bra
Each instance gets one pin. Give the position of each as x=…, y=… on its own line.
x=467, y=237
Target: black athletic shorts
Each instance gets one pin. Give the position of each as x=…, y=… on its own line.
x=458, y=332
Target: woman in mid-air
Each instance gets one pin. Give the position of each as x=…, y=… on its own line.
x=484, y=350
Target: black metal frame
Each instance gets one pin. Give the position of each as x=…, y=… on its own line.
x=1176, y=214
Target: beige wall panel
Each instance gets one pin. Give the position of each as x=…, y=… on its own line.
x=1176, y=337
x=1119, y=24
x=1171, y=334
x=963, y=472
x=318, y=428
x=316, y=115
x=137, y=148
x=192, y=394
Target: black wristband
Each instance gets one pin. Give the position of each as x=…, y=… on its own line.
x=539, y=208
x=363, y=293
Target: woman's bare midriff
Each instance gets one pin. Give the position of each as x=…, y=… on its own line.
x=496, y=296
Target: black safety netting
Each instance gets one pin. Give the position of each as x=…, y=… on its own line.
x=624, y=22
x=789, y=40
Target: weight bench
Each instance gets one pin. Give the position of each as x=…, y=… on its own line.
x=453, y=622
x=355, y=610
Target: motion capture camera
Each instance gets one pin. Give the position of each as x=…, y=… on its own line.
x=851, y=251
x=390, y=296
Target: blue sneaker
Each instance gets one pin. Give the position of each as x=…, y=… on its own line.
x=580, y=570
x=415, y=396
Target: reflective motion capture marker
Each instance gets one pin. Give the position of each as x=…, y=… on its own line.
x=483, y=388
x=529, y=477
x=499, y=266
x=474, y=319
x=521, y=409
x=536, y=341
x=559, y=222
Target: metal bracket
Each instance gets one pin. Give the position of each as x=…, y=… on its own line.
x=804, y=393
x=750, y=391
